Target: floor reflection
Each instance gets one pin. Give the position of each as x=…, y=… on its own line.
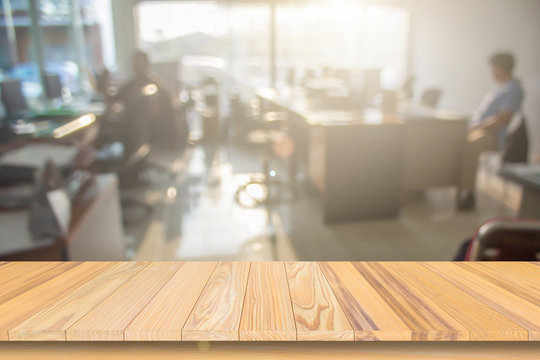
x=196, y=217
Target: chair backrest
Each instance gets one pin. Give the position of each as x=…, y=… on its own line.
x=53, y=86
x=431, y=97
x=13, y=97
x=136, y=123
x=506, y=240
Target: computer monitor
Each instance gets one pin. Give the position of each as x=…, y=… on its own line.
x=53, y=86
x=13, y=98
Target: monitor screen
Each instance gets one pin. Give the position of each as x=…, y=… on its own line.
x=53, y=86
x=13, y=98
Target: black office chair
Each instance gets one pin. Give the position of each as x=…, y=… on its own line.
x=430, y=97
x=127, y=130
x=13, y=98
x=506, y=239
x=131, y=129
x=516, y=145
x=53, y=86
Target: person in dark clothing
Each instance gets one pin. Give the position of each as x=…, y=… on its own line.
x=164, y=110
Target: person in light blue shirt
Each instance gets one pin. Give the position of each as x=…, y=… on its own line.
x=500, y=105
x=490, y=124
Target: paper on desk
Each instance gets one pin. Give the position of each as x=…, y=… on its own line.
x=35, y=155
x=61, y=206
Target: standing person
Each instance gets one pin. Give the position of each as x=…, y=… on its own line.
x=164, y=124
x=490, y=129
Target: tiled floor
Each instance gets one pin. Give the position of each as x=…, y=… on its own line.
x=197, y=218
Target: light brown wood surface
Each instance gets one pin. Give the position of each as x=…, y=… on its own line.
x=512, y=306
x=108, y=320
x=317, y=312
x=10, y=271
x=479, y=318
x=217, y=313
x=269, y=301
x=52, y=322
x=28, y=280
x=20, y=308
x=421, y=314
x=267, y=312
x=164, y=316
x=370, y=316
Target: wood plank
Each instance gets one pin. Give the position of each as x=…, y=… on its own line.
x=483, y=322
x=108, y=320
x=164, y=317
x=370, y=316
x=52, y=322
x=527, y=271
x=227, y=350
x=427, y=320
x=34, y=277
x=20, y=308
x=317, y=312
x=216, y=315
x=267, y=314
x=510, y=305
x=13, y=270
x=509, y=280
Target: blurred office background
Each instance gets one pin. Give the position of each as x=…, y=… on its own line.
x=298, y=130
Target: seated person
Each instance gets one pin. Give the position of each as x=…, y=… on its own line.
x=488, y=130
x=163, y=122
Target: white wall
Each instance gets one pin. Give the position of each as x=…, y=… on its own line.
x=125, y=35
x=452, y=39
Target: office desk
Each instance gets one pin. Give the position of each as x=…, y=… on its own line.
x=291, y=302
x=95, y=231
x=528, y=176
x=363, y=161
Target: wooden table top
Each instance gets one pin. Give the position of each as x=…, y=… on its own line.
x=260, y=301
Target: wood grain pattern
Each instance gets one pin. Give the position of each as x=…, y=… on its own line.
x=108, y=320
x=267, y=313
x=52, y=322
x=317, y=312
x=483, y=322
x=427, y=320
x=529, y=272
x=512, y=306
x=164, y=316
x=265, y=301
x=370, y=316
x=525, y=287
x=20, y=308
x=24, y=282
x=216, y=316
x=10, y=271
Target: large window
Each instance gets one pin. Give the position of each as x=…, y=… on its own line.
x=73, y=40
x=343, y=35
x=229, y=42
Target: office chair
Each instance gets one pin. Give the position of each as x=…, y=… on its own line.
x=266, y=188
x=506, y=239
x=13, y=98
x=53, y=86
x=516, y=145
x=131, y=128
x=127, y=130
x=430, y=97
